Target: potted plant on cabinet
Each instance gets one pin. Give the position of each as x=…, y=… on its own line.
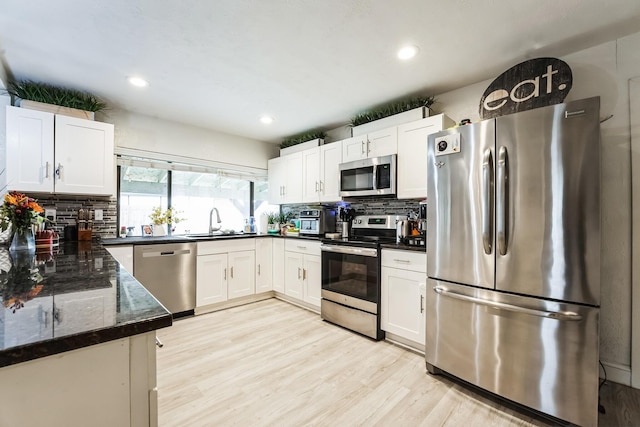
x=54, y=99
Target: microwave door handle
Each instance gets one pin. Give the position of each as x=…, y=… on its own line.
x=375, y=177
x=487, y=201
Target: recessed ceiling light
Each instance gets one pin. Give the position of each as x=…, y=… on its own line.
x=408, y=52
x=138, y=81
x=267, y=120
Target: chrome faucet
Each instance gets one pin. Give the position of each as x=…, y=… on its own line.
x=211, y=228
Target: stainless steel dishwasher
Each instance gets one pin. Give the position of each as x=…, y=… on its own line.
x=168, y=271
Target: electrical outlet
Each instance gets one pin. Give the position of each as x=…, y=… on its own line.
x=50, y=214
x=98, y=214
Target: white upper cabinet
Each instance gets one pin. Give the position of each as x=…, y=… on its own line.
x=83, y=156
x=285, y=179
x=54, y=153
x=412, y=154
x=29, y=150
x=374, y=144
x=311, y=175
x=320, y=171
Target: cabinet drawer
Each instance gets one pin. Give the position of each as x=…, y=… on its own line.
x=226, y=245
x=405, y=260
x=302, y=246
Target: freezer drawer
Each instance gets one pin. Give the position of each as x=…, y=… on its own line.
x=541, y=354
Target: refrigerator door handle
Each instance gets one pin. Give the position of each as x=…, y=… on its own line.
x=487, y=201
x=503, y=200
x=558, y=315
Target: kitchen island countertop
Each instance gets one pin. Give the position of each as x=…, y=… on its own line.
x=75, y=297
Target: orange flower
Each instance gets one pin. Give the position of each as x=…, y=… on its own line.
x=9, y=198
x=36, y=207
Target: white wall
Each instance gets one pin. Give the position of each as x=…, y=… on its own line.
x=602, y=71
x=137, y=131
x=5, y=100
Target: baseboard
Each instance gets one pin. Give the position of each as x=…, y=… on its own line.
x=617, y=373
x=233, y=303
x=296, y=302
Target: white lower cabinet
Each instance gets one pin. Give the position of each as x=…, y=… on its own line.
x=242, y=279
x=211, y=279
x=278, y=264
x=264, y=264
x=302, y=266
x=404, y=275
x=225, y=270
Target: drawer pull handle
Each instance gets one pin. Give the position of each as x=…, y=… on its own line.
x=402, y=260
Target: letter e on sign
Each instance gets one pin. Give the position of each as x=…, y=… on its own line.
x=531, y=84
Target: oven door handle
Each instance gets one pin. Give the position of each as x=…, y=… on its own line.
x=349, y=250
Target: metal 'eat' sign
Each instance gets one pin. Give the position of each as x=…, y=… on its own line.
x=531, y=84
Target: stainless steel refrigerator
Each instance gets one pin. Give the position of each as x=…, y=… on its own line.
x=513, y=257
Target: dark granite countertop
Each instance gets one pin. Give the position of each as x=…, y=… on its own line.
x=77, y=296
x=403, y=247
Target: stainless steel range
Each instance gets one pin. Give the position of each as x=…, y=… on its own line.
x=351, y=275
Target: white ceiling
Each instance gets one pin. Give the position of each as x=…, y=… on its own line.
x=221, y=64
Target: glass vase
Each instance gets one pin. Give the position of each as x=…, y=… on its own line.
x=23, y=240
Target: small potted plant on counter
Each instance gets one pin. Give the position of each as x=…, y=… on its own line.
x=272, y=223
x=159, y=218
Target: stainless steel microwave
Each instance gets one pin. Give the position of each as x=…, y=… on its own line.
x=368, y=177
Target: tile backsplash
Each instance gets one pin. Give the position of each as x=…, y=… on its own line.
x=363, y=206
x=67, y=212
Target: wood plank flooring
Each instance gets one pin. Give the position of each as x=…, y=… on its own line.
x=274, y=364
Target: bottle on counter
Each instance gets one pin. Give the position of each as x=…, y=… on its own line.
x=247, y=226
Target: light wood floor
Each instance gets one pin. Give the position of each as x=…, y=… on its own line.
x=272, y=363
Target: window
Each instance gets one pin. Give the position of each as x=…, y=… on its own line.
x=141, y=189
x=195, y=194
x=193, y=191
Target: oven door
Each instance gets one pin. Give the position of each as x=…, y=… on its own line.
x=350, y=276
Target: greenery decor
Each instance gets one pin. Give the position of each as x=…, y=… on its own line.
x=303, y=137
x=49, y=94
x=170, y=216
x=391, y=109
x=272, y=217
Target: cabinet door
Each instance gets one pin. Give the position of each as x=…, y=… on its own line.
x=311, y=175
x=278, y=264
x=78, y=311
x=330, y=159
x=83, y=156
x=312, y=279
x=293, y=265
x=29, y=150
x=412, y=155
x=276, y=176
x=354, y=148
x=403, y=303
x=211, y=279
x=383, y=142
x=242, y=276
x=264, y=265
x=293, y=183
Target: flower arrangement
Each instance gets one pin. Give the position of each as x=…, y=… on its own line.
x=19, y=285
x=170, y=216
x=20, y=211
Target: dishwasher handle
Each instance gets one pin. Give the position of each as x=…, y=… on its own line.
x=154, y=254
